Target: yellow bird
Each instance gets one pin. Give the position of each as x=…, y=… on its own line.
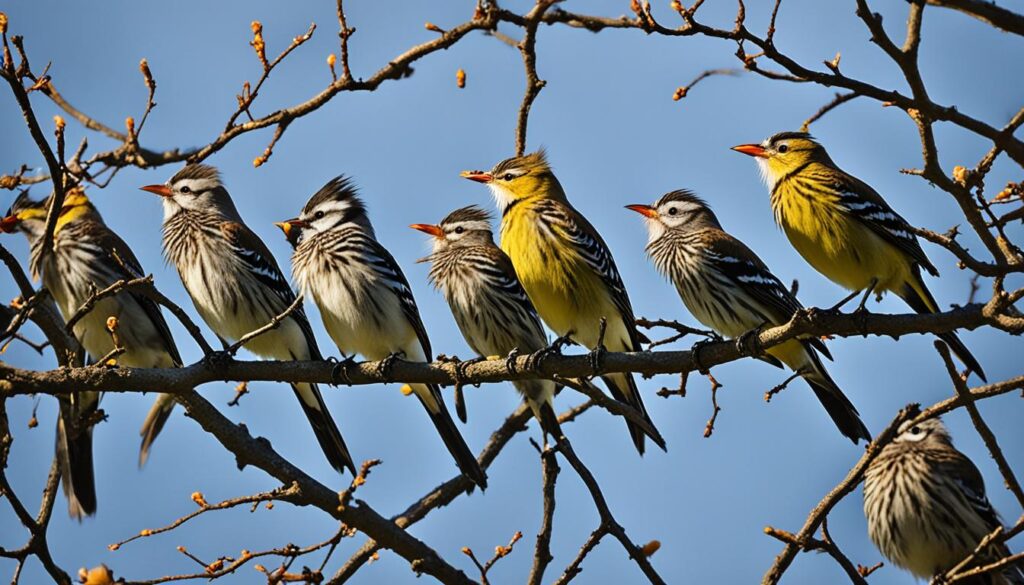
x=565, y=268
x=844, y=228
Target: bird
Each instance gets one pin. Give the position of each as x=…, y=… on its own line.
x=727, y=287
x=487, y=300
x=237, y=286
x=926, y=507
x=364, y=298
x=87, y=257
x=844, y=228
x=566, y=269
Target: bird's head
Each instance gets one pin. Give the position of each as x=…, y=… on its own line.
x=784, y=153
x=676, y=210
x=520, y=177
x=463, y=227
x=196, y=187
x=336, y=205
x=25, y=215
x=922, y=434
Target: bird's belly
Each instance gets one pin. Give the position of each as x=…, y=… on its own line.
x=846, y=252
x=369, y=321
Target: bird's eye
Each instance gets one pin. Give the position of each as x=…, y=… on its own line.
x=915, y=430
x=783, y=148
x=508, y=176
x=185, y=189
x=460, y=229
x=672, y=211
x=319, y=215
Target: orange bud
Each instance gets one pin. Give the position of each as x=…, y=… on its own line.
x=3, y=23
x=100, y=575
x=111, y=323
x=433, y=27
x=460, y=78
x=129, y=124
x=147, y=532
x=650, y=548
x=198, y=498
x=113, y=547
x=59, y=122
x=331, y=60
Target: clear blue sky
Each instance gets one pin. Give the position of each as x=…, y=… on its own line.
x=614, y=136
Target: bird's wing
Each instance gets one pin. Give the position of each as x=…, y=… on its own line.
x=971, y=484
x=740, y=264
x=860, y=201
x=497, y=270
x=387, y=268
x=120, y=258
x=589, y=246
x=257, y=259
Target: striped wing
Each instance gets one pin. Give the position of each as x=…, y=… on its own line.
x=588, y=244
x=496, y=269
x=860, y=201
x=257, y=259
x=749, y=273
x=971, y=484
x=117, y=256
x=387, y=268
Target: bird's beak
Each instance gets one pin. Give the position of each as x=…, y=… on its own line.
x=426, y=228
x=161, y=190
x=289, y=225
x=644, y=210
x=752, y=150
x=9, y=224
x=478, y=176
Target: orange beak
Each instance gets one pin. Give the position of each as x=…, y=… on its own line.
x=478, y=176
x=9, y=224
x=644, y=210
x=752, y=150
x=428, y=229
x=161, y=190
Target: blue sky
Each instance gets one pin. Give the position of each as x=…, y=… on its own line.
x=615, y=137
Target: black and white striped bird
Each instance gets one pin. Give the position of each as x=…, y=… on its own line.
x=87, y=257
x=729, y=289
x=926, y=506
x=237, y=287
x=487, y=300
x=365, y=299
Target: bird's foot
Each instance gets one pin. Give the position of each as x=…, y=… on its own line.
x=340, y=370
x=749, y=342
x=219, y=358
x=695, y=350
x=510, y=360
x=385, y=365
x=538, y=357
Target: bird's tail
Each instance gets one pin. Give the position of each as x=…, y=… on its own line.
x=74, y=453
x=838, y=406
x=430, y=396
x=538, y=395
x=920, y=299
x=547, y=418
x=623, y=388
x=158, y=414
x=324, y=427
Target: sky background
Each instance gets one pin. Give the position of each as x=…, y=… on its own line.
x=614, y=137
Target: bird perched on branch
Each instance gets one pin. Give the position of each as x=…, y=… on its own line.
x=844, y=228
x=729, y=289
x=566, y=269
x=87, y=257
x=237, y=287
x=487, y=300
x=926, y=506
x=365, y=299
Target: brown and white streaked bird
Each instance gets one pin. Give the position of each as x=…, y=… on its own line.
x=728, y=288
x=365, y=299
x=237, y=287
x=487, y=300
x=926, y=506
x=88, y=256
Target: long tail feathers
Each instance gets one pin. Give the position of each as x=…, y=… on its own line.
x=631, y=396
x=453, y=440
x=77, y=478
x=324, y=427
x=920, y=299
x=158, y=414
x=547, y=418
x=838, y=406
